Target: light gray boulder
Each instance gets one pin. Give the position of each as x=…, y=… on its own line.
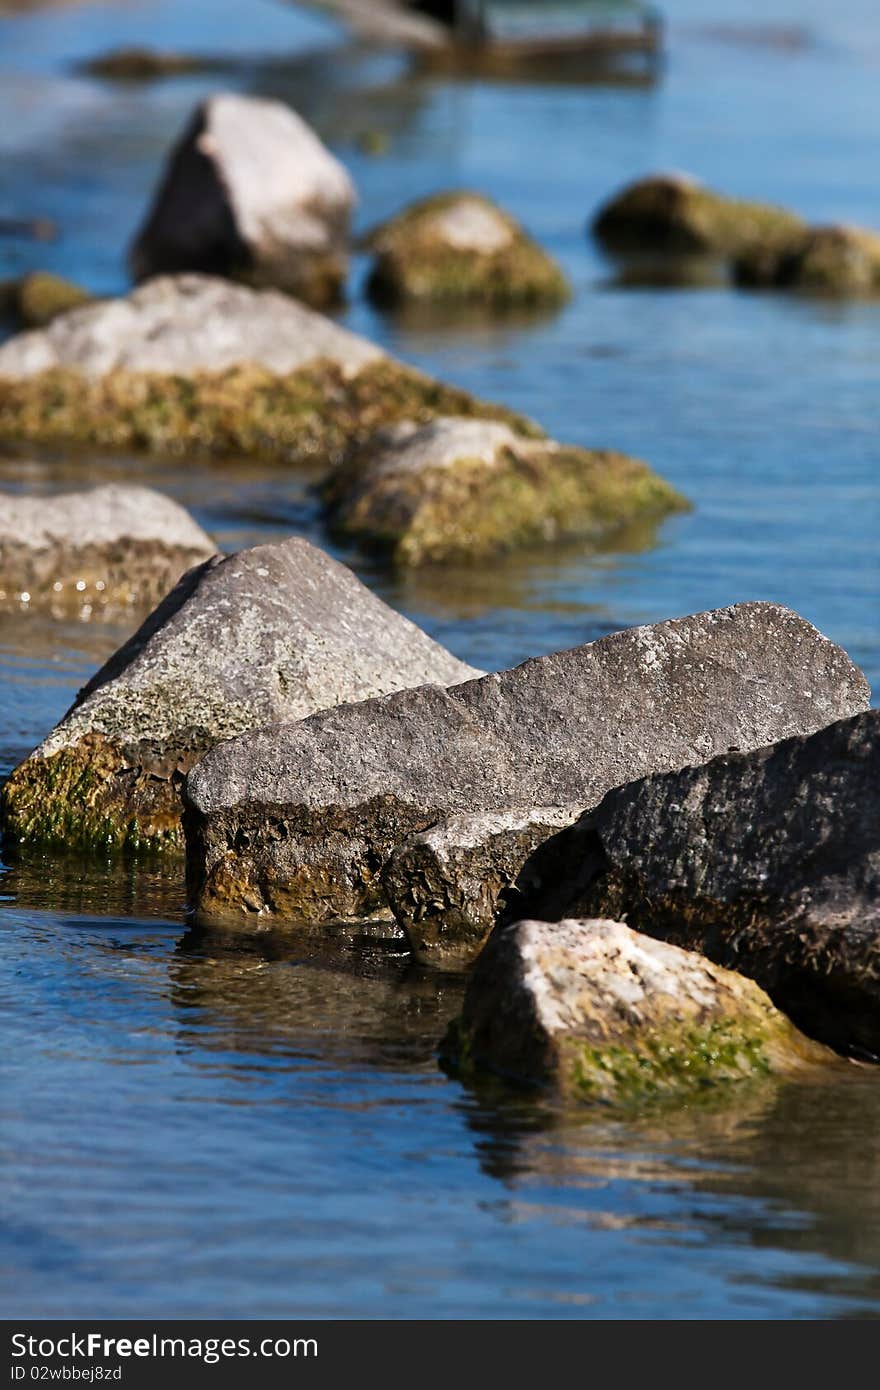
x=108, y=546
x=299, y=820
x=251, y=192
x=270, y=634
x=602, y=1013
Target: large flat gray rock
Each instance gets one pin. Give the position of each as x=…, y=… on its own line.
x=105, y=546
x=271, y=634
x=299, y=820
x=768, y=861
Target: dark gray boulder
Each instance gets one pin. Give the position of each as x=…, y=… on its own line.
x=273, y=633
x=298, y=821
x=767, y=861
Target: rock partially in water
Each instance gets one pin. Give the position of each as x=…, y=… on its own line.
x=602, y=1013
x=265, y=636
x=251, y=192
x=461, y=247
x=299, y=820
x=823, y=260
x=38, y=298
x=463, y=489
x=107, y=546
x=142, y=64
x=768, y=861
x=193, y=363
x=446, y=884
x=674, y=215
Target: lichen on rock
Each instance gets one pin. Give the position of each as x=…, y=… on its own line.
x=602, y=1014
x=463, y=489
x=461, y=247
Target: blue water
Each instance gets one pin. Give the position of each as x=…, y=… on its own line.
x=194, y=1128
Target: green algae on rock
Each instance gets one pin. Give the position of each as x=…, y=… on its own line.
x=38, y=298
x=273, y=633
x=601, y=1013
x=461, y=488
x=103, y=548
x=673, y=215
x=833, y=261
x=190, y=363
x=461, y=247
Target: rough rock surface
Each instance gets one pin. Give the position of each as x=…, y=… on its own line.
x=606, y=1014
x=270, y=634
x=468, y=488
x=189, y=362
x=446, y=884
x=299, y=820
x=461, y=247
x=768, y=861
x=110, y=545
x=823, y=260
x=675, y=215
x=251, y=192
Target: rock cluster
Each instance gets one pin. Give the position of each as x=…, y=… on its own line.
x=268, y=635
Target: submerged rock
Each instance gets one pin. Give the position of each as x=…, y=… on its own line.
x=461, y=247
x=251, y=192
x=675, y=215
x=768, y=861
x=140, y=64
x=822, y=260
x=446, y=884
x=38, y=298
x=191, y=363
x=267, y=635
x=603, y=1013
x=299, y=820
x=110, y=545
x=468, y=488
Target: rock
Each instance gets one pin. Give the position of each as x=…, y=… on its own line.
x=446, y=884
x=602, y=1013
x=299, y=820
x=463, y=489
x=674, y=215
x=250, y=192
x=42, y=297
x=455, y=247
x=190, y=363
x=768, y=861
x=267, y=635
x=138, y=64
x=107, y=546
x=823, y=260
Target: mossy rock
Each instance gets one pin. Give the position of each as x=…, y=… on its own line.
x=600, y=1013
x=38, y=298
x=676, y=216
x=842, y=261
x=459, y=247
x=459, y=489
x=309, y=416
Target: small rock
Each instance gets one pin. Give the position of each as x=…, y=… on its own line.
x=252, y=193
x=192, y=363
x=297, y=821
x=823, y=260
x=467, y=488
x=41, y=297
x=675, y=215
x=265, y=636
x=602, y=1013
x=768, y=861
x=446, y=884
x=138, y=64
x=111, y=545
x=461, y=247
